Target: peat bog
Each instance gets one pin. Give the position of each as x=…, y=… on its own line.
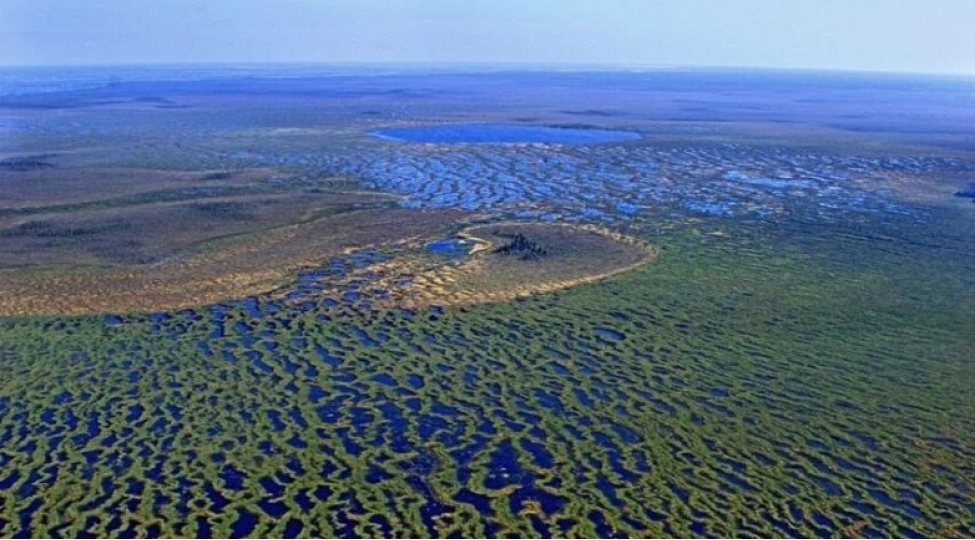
x=228, y=309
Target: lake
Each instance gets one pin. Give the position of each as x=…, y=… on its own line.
x=502, y=133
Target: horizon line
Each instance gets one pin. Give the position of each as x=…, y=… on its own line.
x=476, y=66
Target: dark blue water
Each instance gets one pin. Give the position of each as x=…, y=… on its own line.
x=502, y=133
x=450, y=248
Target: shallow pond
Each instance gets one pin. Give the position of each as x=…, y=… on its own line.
x=450, y=247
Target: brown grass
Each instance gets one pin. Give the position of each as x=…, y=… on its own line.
x=72, y=185
x=574, y=255
x=229, y=269
x=150, y=233
x=77, y=240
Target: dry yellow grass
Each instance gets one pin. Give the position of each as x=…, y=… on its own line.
x=576, y=255
x=234, y=268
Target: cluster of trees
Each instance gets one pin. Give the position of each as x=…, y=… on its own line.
x=523, y=248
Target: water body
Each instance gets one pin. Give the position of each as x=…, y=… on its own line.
x=451, y=247
x=502, y=133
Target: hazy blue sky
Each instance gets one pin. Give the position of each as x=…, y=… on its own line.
x=894, y=35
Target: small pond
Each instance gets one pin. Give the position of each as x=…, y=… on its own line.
x=450, y=247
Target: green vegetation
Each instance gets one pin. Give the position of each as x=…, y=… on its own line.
x=689, y=397
x=796, y=361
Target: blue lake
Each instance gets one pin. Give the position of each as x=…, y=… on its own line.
x=501, y=133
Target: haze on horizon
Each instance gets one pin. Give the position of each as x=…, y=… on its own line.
x=925, y=36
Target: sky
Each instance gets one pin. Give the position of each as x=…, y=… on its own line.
x=931, y=36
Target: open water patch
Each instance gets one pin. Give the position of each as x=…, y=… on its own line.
x=501, y=134
x=451, y=247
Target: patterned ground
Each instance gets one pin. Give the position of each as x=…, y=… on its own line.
x=684, y=398
x=797, y=361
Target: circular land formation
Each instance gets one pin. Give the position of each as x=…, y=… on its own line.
x=508, y=260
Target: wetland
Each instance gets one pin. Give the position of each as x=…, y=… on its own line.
x=715, y=304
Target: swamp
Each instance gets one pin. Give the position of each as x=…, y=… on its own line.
x=307, y=303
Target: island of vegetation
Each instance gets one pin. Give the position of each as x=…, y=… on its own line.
x=507, y=260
